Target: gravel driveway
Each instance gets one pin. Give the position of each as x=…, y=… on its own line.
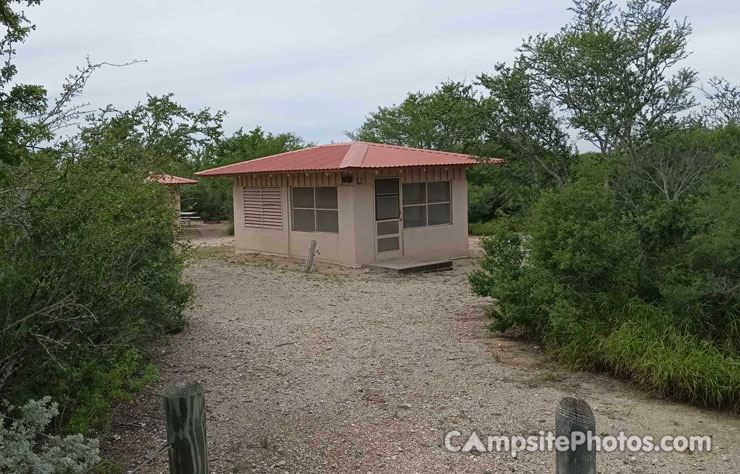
x=366, y=372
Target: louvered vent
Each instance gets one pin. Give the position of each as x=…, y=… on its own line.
x=263, y=208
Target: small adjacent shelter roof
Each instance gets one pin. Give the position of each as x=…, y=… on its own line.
x=169, y=179
x=346, y=156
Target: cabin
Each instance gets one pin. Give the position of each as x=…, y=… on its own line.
x=172, y=183
x=361, y=203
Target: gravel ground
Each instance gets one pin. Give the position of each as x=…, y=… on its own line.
x=349, y=371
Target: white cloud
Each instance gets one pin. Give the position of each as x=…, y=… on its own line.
x=312, y=67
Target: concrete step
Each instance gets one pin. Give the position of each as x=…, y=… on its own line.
x=406, y=265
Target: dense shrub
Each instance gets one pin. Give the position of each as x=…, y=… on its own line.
x=484, y=203
x=90, y=271
x=481, y=228
x=648, y=289
x=94, y=385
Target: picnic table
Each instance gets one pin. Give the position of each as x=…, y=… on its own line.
x=189, y=217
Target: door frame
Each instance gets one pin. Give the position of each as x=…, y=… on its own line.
x=393, y=253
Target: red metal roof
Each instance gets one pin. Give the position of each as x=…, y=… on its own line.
x=169, y=179
x=340, y=156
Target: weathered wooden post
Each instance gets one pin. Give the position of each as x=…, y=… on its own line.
x=575, y=416
x=185, y=411
x=309, y=258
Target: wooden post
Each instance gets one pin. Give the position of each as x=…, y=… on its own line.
x=309, y=258
x=185, y=411
x=574, y=415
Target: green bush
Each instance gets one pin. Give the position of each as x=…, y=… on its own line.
x=496, y=191
x=649, y=290
x=521, y=297
x=100, y=383
x=577, y=237
x=91, y=272
x=482, y=228
x=484, y=202
x=90, y=262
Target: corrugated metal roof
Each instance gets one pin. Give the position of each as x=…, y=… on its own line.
x=169, y=179
x=345, y=156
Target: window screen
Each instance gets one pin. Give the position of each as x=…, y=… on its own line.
x=327, y=221
x=439, y=213
x=387, y=227
x=386, y=186
x=414, y=193
x=315, y=209
x=439, y=191
x=414, y=216
x=426, y=204
x=386, y=207
x=326, y=198
x=389, y=244
x=304, y=220
x=386, y=199
x=303, y=197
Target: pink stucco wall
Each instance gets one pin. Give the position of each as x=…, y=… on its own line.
x=354, y=245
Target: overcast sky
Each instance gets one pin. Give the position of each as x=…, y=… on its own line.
x=316, y=68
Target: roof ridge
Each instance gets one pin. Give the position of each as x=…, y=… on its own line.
x=401, y=147
x=346, y=155
x=355, y=155
x=368, y=144
x=388, y=145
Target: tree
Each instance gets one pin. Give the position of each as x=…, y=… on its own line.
x=212, y=197
x=91, y=265
x=528, y=127
x=608, y=70
x=455, y=117
x=451, y=118
x=670, y=169
x=253, y=144
x=724, y=103
x=27, y=118
x=161, y=133
x=524, y=127
x=506, y=119
x=16, y=100
x=629, y=262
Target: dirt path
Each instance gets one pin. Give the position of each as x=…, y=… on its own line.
x=366, y=372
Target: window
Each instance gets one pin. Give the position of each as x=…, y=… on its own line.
x=315, y=209
x=263, y=208
x=426, y=204
x=386, y=199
